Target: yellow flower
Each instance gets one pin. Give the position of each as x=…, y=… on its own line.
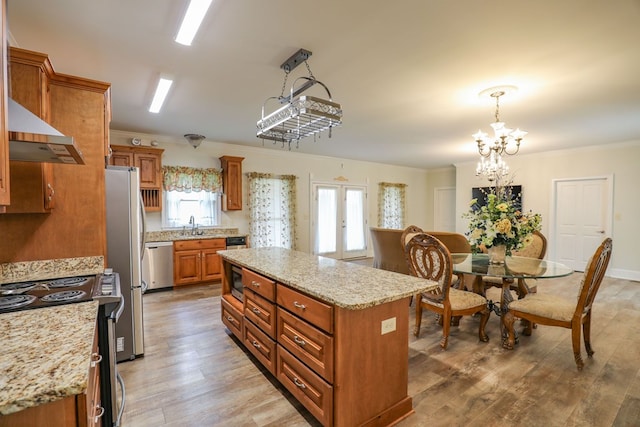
x=502, y=207
x=503, y=226
x=476, y=234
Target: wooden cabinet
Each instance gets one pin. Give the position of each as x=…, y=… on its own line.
x=149, y=161
x=80, y=410
x=232, y=182
x=33, y=183
x=196, y=261
x=80, y=108
x=5, y=198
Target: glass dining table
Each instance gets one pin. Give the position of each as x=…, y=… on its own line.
x=515, y=268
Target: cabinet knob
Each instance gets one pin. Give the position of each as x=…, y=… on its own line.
x=256, y=310
x=299, y=383
x=296, y=304
x=99, y=414
x=255, y=284
x=51, y=191
x=256, y=344
x=299, y=341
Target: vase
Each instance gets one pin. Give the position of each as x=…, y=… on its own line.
x=497, y=254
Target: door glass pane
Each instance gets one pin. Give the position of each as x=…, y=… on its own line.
x=327, y=217
x=354, y=220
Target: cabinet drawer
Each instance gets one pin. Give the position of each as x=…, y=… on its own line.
x=309, y=344
x=181, y=245
x=261, y=346
x=259, y=284
x=313, y=311
x=307, y=387
x=232, y=318
x=261, y=312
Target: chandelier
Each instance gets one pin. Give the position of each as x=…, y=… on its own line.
x=301, y=115
x=505, y=141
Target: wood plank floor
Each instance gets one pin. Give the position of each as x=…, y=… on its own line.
x=194, y=373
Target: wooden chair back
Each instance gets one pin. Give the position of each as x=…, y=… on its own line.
x=429, y=258
x=596, y=268
x=536, y=249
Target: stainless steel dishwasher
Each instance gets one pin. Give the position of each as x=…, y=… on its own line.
x=157, y=265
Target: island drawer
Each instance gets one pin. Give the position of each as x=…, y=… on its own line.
x=313, y=311
x=307, y=387
x=232, y=318
x=259, y=284
x=261, y=346
x=261, y=312
x=307, y=343
x=182, y=245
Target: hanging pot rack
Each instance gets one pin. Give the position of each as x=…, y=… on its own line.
x=301, y=115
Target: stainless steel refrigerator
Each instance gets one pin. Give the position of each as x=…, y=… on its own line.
x=125, y=249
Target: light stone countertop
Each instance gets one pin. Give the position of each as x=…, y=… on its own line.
x=347, y=285
x=207, y=233
x=45, y=354
x=24, y=271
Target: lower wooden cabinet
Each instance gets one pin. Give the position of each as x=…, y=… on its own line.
x=232, y=315
x=196, y=261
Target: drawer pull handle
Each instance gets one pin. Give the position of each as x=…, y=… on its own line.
x=99, y=414
x=230, y=319
x=256, y=344
x=95, y=359
x=298, y=383
x=298, y=305
x=299, y=341
x=255, y=284
x=256, y=310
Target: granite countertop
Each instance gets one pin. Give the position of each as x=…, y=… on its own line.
x=24, y=271
x=347, y=285
x=45, y=354
x=207, y=233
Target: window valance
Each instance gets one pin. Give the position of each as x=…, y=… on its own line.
x=187, y=179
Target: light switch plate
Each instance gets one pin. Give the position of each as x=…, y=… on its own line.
x=388, y=325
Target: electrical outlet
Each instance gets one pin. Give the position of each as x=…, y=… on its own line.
x=388, y=325
x=119, y=344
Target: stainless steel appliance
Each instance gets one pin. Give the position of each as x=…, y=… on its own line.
x=236, y=242
x=157, y=267
x=125, y=249
x=69, y=290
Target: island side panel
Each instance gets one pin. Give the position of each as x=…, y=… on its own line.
x=371, y=368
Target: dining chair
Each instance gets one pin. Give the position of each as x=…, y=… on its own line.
x=550, y=310
x=428, y=258
x=537, y=248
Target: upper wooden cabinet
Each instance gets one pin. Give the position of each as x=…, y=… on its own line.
x=149, y=161
x=232, y=182
x=33, y=183
x=4, y=134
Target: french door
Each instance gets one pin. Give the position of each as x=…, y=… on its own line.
x=339, y=220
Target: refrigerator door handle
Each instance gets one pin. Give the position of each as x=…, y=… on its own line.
x=143, y=216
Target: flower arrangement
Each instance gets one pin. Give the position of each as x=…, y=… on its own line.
x=500, y=222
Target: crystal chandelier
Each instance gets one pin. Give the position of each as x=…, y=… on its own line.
x=491, y=151
x=300, y=116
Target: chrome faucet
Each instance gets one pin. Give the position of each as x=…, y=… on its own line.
x=192, y=223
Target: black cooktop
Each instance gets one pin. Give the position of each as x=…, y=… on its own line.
x=47, y=293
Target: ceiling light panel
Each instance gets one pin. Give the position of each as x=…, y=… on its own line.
x=162, y=90
x=192, y=19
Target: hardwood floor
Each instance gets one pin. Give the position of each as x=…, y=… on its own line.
x=194, y=373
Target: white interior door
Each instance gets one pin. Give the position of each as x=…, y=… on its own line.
x=444, y=209
x=583, y=213
x=339, y=220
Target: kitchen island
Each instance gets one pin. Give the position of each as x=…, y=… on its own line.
x=45, y=362
x=334, y=333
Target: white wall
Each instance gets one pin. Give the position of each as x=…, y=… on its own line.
x=535, y=172
x=306, y=167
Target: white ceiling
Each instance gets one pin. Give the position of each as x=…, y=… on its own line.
x=407, y=72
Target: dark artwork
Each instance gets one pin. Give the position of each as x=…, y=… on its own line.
x=512, y=192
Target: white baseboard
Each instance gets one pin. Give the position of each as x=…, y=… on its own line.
x=619, y=273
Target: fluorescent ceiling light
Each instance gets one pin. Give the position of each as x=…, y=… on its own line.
x=161, y=93
x=192, y=20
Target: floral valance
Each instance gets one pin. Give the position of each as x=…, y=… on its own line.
x=187, y=179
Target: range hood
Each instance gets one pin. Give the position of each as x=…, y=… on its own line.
x=31, y=139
